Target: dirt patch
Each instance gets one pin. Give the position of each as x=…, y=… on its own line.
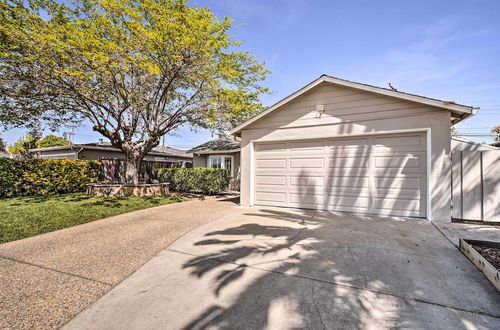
x=489, y=253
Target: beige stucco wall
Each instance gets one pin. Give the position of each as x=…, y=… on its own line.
x=349, y=112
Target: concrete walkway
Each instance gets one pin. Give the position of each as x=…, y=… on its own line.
x=47, y=279
x=283, y=269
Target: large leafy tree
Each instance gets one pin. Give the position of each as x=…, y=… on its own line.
x=496, y=130
x=3, y=145
x=52, y=141
x=136, y=69
x=22, y=146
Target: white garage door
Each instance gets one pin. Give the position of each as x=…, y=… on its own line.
x=380, y=174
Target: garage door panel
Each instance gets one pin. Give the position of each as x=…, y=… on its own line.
x=347, y=191
x=307, y=163
x=345, y=144
x=397, y=162
x=274, y=180
x=308, y=181
x=343, y=162
x=397, y=204
x=358, y=202
x=306, y=146
x=397, y=141
x=270, y=147
x=305, y=200
x=383, y=175
x=407, y=194
x=271, y=163
x=398, y=182
x=347, y=181
x=269, y=196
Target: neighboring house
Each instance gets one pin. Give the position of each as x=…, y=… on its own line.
x=104, y=150
x=223, y=152
x=459, y=144
x=345, y=146
x=6, y=155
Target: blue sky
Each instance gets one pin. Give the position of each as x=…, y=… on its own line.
x=449, y=50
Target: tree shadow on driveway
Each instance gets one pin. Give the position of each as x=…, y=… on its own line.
x=289, y=269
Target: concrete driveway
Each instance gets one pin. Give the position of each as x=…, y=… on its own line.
x=45, y=280
x=281, y=269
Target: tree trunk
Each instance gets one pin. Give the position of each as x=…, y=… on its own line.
x=133, y=167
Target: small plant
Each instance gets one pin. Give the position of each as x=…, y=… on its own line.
x=208, y=181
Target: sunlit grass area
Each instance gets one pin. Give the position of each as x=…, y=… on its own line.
x=23, y=217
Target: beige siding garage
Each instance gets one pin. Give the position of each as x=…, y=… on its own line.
x=383, y=174
x=351, y=147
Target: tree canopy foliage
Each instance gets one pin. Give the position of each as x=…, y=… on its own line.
x=496, y=130
x=3, y=145
x=52, y=141
x=22, y=145
x=136, y=69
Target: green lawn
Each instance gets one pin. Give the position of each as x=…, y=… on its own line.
x=28, y=216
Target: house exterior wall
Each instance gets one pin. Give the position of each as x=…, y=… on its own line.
x=351, y=112
x=58, y=154
x=202, y=161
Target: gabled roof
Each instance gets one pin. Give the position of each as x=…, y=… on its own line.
x=460, y=111
x=172, y=151
x=223, y=144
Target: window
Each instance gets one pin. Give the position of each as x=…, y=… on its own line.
x=216, y=162
x=228, y=163
x=222, y=162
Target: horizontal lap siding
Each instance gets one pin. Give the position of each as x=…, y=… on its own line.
x=341, y=105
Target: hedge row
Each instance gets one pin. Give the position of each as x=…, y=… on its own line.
x=25, y=177
x=205, y=180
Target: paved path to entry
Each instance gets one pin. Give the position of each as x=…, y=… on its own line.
x=283, y=269
x=47, y=279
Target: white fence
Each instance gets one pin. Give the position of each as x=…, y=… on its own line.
x=476, y=185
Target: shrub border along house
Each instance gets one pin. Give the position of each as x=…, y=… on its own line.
x=27, y=177
x=208, y=181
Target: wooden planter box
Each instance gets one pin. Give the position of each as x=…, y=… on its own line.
x=484, y=265
x=118, y=189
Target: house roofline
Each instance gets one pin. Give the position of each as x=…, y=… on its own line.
x=463, y=111
x=209, y=152
x=80, y=146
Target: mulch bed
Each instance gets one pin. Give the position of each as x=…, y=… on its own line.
x=476, y=222
x=489, y=253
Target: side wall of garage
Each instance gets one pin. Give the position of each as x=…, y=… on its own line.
x=349, y=112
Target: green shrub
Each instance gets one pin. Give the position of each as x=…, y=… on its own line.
x=26, y=177
x=208, y=181
x=10, y=177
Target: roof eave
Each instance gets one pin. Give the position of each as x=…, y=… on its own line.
x=76, y=146
x=208, y=152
